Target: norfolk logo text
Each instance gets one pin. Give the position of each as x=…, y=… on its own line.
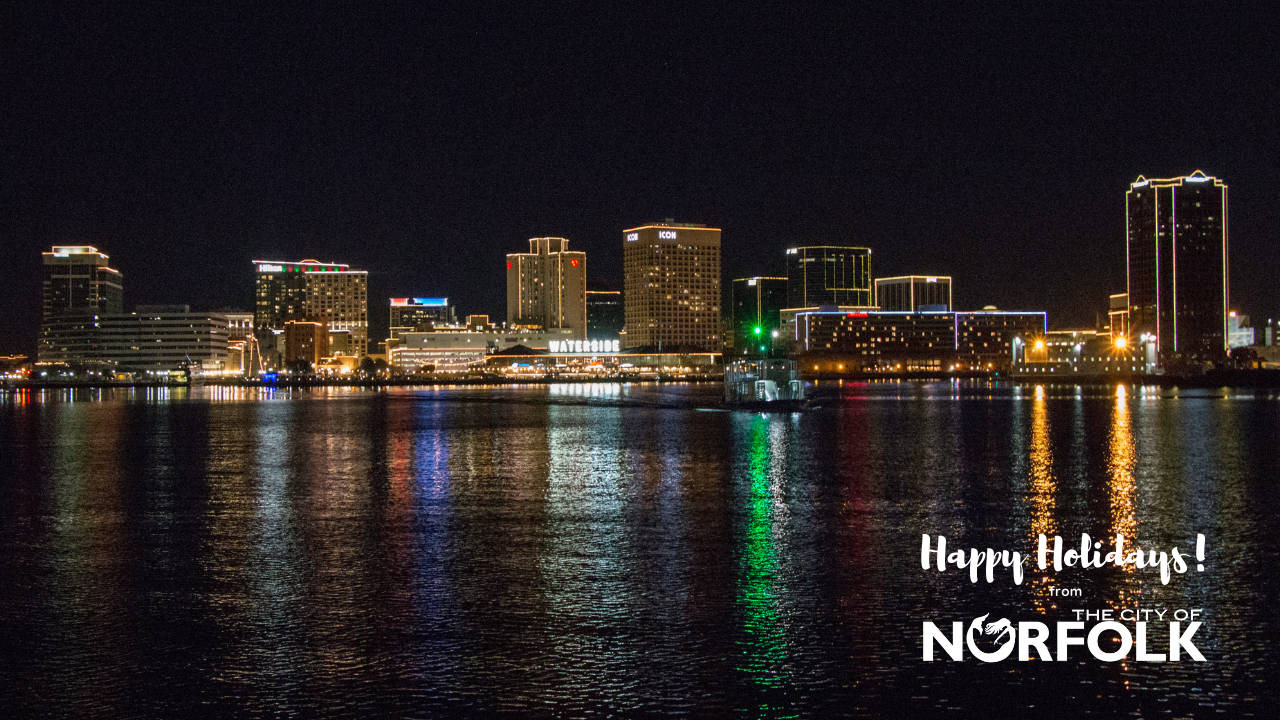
x=1131, y=634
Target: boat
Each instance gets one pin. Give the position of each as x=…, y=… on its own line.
x=763, y=385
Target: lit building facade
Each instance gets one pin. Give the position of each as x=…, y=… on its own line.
x=829, y=341
x=415, y=313
x=547, y=286
x=309, y=290
x=991, y=339
x=454, y=350
x=1176, y=250
x=819, y=275
x=76, y=280
x=305, y=342
x=754, y=302
x=153, y=338
x=914, y=293
x=671, y=287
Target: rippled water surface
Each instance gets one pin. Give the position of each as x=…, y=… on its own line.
x=601, y=549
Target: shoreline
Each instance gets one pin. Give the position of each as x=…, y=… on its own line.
x=1212, y=379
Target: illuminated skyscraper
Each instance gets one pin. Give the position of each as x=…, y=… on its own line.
x=547, y=286
x=828, y=275
x=310, y=290
x=1176, y=247
x=671, y=287
x=77, y=282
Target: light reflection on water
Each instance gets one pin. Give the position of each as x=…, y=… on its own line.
x=610, y=548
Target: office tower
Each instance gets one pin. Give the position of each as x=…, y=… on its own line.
x=547, y=286
x=77, y=278
x=829, y=275
x=671, y=287
x=914, y=293
x=77, y=281
x=156, y=338
x=409, y=314
x=605, y=317
x=1176, y=246
x=331, y=293
x=755, y=302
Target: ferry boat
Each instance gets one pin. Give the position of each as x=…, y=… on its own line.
x=763, y=385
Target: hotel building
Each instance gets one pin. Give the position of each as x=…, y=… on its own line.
x=547, y=286
x=331, y=293
x=671, y=287
x=820, y=275
x=1176, y=251
x=914, y=293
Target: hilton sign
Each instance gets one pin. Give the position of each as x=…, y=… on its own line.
x=584, y=346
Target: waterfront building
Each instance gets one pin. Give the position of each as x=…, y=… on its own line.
x=1176, y=250
x=873, y=341
x=547, y=286
x=914, y=293
x=990, y=339
x=671, y=287
x=838, y=275
x=1078, y=352
x=460, y=349
x=305, y=342
x=420, y=313
x=831, y=341
x=76, y=280
x=605, y=316
x=755, y=302
x=152, y=338
x=309, y=290
x=239, y=324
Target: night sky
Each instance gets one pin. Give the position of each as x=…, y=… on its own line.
x=424, y=144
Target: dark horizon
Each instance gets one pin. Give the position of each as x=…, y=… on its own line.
x=423, y=145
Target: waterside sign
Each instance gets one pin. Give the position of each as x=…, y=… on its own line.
x=585, y=347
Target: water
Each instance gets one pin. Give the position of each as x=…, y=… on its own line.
x=612, y=550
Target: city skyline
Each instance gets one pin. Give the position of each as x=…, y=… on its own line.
x=406, y=152
x=684, y=260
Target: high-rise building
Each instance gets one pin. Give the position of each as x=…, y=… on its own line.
x=820, y=275
x=415, y=313
x=671, y=287
x=754, y=302
x=1176, y=248
x=914, y=293
x=78, y=281
x=605, y=317
x=547, y=286
x=310, y=290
